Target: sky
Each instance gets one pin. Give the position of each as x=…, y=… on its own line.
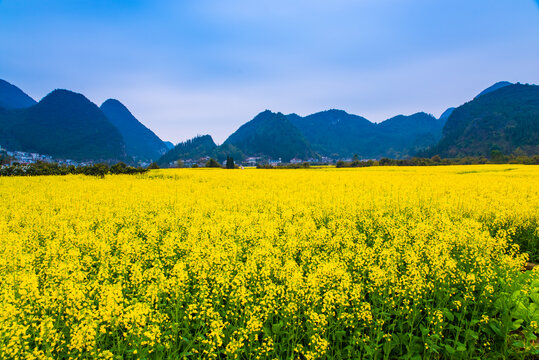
x=193, y=67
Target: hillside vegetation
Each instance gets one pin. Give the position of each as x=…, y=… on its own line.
x=505, y=120
x=65, y=125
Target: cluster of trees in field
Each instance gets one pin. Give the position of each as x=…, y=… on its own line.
x=43, y=168
x=495, y=158
x=212, y=163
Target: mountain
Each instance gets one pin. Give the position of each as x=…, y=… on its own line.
x=446, y=114
x=64, y=125
x=335, y=133
x=498, y=85
x=194, y=149
x=169, y=145
x=272, y=135
x=506, y=119
x=140, y=142
x=402, y=136
x=11, y=97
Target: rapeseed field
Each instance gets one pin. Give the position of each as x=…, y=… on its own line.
x=373, y=263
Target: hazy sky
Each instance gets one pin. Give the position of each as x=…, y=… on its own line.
x=207, y=66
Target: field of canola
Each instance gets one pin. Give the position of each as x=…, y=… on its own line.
x=373, y=263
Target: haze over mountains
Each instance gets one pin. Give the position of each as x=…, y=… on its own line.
x=66, y=125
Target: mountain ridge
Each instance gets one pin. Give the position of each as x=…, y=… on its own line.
x=65, y=125
x=505, y=120
x=11, y=97
x=141, y=142
x=503, y=117
x=273, y=135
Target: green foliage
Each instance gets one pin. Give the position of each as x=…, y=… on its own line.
x=503, y=120
x=212, y=163
x=4, y=158
x=497, y=156
x=42, y=168
x=153, y=166
x=437, y=160
x=230, y=162
x=195, y=148
x=223, y=151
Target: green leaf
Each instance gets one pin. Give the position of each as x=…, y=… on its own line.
x=472, y=334
x=448, y=314
x=449, y=349
x=530, y=336
x=531, y=309
x=517, y=324
x=520, y=312
x=495, y=328
x=515, y=295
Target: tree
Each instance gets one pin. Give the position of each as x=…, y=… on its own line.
x=229, y=162
x=153, y=166
x=497, y=156
x=212, y=163
x=118, y=168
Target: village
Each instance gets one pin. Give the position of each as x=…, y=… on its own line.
x=8, y=158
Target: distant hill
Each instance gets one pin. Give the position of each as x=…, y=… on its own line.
x=337, y=134
x=11, y=97
x=506, y=119
x=402, y=136
x=64, y=125
x=272, y=135
x=140, y=142
x=194, y=149
x=331, y=133
x=446, y=114
x=498, y=85
x=169, y=145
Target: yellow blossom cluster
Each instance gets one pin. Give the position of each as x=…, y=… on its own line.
x=377, y=262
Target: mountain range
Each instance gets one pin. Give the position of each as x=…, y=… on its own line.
x=66, y=125
x=505, y=119
x=63, y=125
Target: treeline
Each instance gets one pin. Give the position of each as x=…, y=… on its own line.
x=436, y=160
x=304, y=165
x=42, y=168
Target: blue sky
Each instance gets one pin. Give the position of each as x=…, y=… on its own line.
x=207, y=66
